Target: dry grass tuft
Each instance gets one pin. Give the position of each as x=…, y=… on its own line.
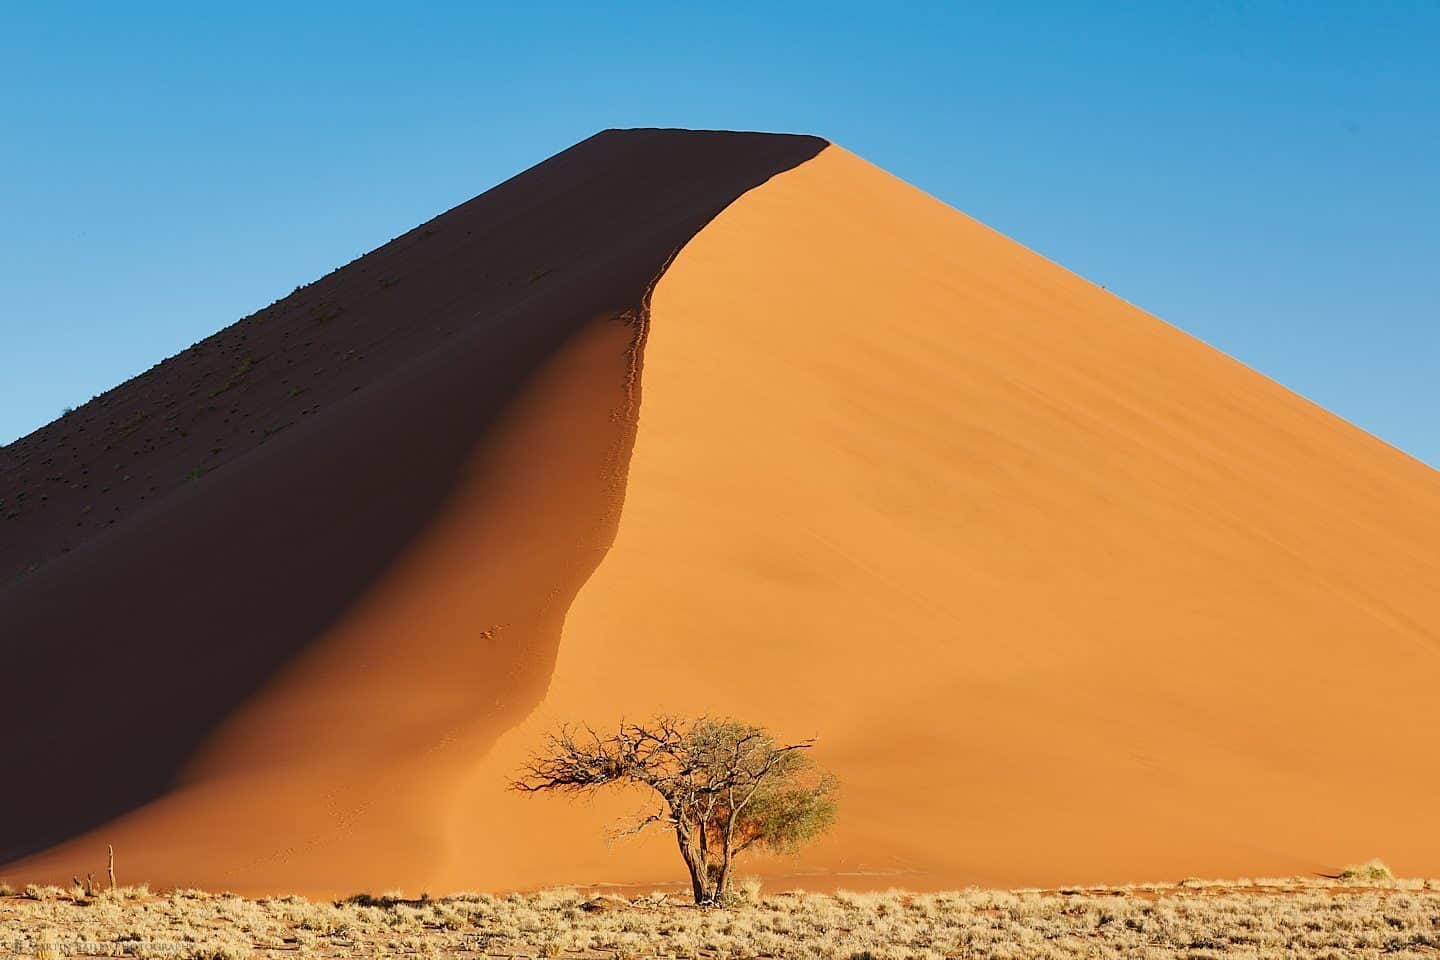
x=36, y=892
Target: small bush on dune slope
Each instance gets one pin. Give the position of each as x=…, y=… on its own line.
x=1368, y=872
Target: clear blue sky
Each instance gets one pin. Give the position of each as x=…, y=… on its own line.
x=1264, y=175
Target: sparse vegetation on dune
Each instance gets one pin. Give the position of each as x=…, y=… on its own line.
x=1369, y=872
x=1299, y=918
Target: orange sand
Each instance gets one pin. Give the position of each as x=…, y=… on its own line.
x=1065, y=594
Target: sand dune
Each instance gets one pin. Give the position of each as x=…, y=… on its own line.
x=1065, y=594
x=469, y=387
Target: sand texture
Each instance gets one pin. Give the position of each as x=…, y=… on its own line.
x=1066, y=595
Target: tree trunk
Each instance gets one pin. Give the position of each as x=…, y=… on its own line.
x=694, y=862
x=722, y=882
x=703, y=834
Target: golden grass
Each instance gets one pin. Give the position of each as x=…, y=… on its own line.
x=1291, y=918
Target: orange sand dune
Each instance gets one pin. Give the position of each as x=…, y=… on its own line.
x=231, y=625
x=1065, y=594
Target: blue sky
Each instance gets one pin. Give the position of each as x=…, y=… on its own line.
x=1264, y=175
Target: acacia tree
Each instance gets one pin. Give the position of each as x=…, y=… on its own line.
x=725, y=787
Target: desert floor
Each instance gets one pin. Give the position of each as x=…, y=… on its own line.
x=1359, y=916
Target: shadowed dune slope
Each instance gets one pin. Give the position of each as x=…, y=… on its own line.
x=253, y=595
x=1066, y=594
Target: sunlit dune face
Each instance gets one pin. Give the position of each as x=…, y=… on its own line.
x=1065, y=594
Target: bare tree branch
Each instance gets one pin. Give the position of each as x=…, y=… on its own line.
x=726, y=786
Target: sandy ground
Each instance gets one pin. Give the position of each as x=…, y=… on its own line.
x=1066, y=595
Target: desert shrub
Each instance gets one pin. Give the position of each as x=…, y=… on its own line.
x=745, y=890
x=725, y=787
x=35, y=891
x=221, y=950
x=384, y=901
x=1368, y=872
x=137, y=892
